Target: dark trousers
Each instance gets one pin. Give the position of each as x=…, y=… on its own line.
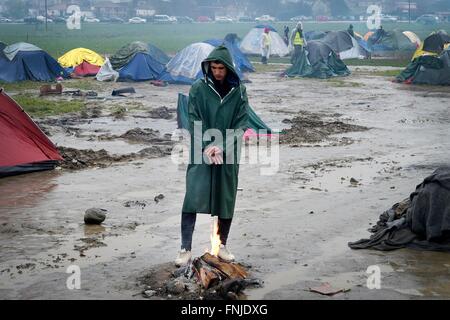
x=188, y=225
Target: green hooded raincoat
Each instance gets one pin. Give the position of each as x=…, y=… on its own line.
x=212, y=188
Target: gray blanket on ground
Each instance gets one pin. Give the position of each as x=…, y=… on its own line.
x=421, y=222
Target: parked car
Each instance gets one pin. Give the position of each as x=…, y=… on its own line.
x=5, y=20
x=223, y=19
x=184, y=19
x=322, y=18
x=245, y=19
x=300, y=18
x=265, y=18
x=428, y=19
x=163, y=18
x=59, y=20
x=388, y=18
x=204, y=19
x=137, y=20
x=42, y=19
x=91, y=20
x=116, y=20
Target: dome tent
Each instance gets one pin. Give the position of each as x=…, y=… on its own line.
x=251, y=44
x=185, y=66
x=24, y=61
x=81, y=61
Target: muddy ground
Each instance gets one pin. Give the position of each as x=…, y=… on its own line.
x=352, y=148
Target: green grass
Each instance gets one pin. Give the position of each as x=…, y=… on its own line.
x=40, y=107
x=107, y=38
x=24, y=85
x=401, y=63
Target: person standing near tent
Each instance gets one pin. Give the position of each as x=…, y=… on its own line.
x=286, y=35
x=351, y=31
x=297, y=41
x=218, y=101
x=265, y=46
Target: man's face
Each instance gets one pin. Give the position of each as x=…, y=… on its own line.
x=219, y=71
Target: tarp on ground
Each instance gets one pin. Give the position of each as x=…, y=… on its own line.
x=77, y=56
x=126, y=53
x=428, y=69
x=318, y=60
x=141, y=67
x=30, y=65
x=107, y=73
x=24, y=147
x=421, y=222
x=251, y=44
x=185, y=66
x=254, y=121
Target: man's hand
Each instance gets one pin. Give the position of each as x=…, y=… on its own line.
x=215, y=155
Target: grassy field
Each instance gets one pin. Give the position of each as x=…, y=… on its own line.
x=107, y=38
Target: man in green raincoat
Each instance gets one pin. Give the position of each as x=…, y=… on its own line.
x=218, y=117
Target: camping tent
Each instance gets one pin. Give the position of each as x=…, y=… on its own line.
x=23, y=61
x=231, y=42
x=344, y=45
x=24, y=147
x=81, y=61
x=318, y=60
x=251, y=44
x=254, y=121
x=428, y=69
x=436, y=41
x=136, y=61
x=185, y=67
x=381, y=42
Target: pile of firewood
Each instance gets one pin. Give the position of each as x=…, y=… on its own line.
x=211, y=270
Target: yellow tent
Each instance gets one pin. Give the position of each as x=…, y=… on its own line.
x=76, y=57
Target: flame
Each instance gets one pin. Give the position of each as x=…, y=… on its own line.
x=215, y=238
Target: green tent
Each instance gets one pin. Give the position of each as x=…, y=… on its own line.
x=318, y=60
x=430, y=70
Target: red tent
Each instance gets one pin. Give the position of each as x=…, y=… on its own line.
x=86, y=69
x=23, y=146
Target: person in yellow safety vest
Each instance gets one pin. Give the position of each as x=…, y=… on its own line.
x=265, y=46
x=297, y=41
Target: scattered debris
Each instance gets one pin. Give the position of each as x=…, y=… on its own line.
x=123, y=92
x=327, y=289
x=47, y=89
x=135, y=203
x=159, y=197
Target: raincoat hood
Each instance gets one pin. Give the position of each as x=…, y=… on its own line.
x=221, y=54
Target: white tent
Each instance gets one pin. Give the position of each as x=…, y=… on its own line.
x=185, y=66
x=251, y=44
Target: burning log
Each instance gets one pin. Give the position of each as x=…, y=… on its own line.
x=211, y=270
x=231, y=270
x=207, y=275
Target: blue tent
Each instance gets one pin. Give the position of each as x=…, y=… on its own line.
x=241, y=61
x=30, y=65
x=141, y=67
x=158, y=54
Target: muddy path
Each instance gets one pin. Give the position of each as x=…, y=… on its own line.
x=355, y=147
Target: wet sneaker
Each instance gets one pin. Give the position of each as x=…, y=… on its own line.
x=183, y=258
x=224, y=254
